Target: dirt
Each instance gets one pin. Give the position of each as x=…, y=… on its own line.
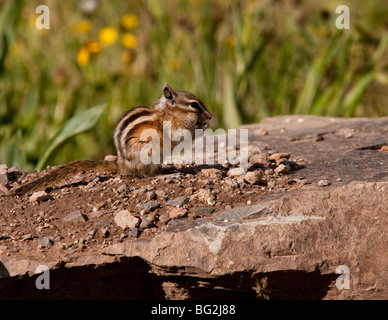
x=79, y=215
x=314, y=198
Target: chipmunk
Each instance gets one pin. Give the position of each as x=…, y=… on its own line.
x=184, y=111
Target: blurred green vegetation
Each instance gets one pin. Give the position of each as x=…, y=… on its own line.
x=63, y=89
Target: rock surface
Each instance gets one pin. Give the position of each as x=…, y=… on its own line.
x=287, y=237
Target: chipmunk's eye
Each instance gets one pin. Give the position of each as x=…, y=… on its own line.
x=195, y=105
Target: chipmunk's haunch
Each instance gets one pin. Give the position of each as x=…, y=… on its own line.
x=182, y=109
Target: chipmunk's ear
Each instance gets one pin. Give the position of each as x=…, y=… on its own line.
x=169, y=93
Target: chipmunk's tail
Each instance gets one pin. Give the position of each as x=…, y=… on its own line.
x=63, y=172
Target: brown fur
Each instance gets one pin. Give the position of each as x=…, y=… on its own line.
x=64, y=172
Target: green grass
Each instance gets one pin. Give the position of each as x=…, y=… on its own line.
x=246, y=60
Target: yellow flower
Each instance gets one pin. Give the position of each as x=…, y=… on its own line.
x=129, y=21
x=93, y=46
x=129, y=40
x=107, y=36
x=83, y=56
x=82, y=27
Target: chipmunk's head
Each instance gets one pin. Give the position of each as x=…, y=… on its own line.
x=186, y=105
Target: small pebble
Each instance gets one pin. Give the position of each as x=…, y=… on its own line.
x=211, y=172
x=105, y=232
x=164, y=218
x=323, y=183
x=75, y=216
x=150, y=195
x=235, y=172
x=279, y=155
x=40, y=196
x=161, y=195
x=176, y=213
x=110, y=157
x=134, y=232
x=271, y=184
x=44, y=242
x=282, y=169
x=124, y=219
x=149, y=205
x=253, y=177
x=178, y=202
x=210, y=201
x=122, y=188
x=147, y=221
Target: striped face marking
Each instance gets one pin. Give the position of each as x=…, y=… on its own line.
x=187, y=102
